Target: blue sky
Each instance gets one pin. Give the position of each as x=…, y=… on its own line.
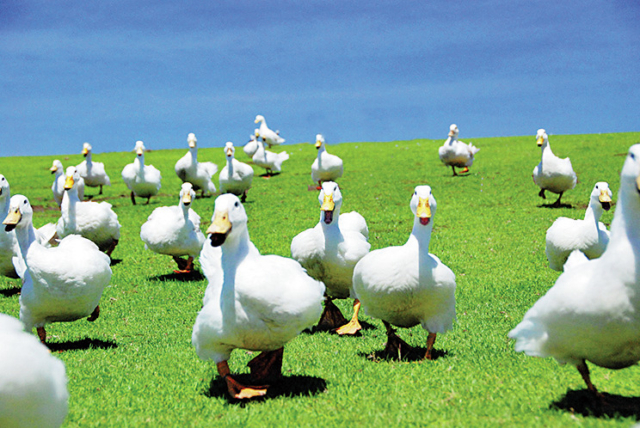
x=113, y=72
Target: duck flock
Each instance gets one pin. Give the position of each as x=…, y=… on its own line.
x=260, y=302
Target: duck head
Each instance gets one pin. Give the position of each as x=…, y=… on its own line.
x=20, y=213
x=56, y=166
x=139, y=149
x=86, y=149
x=631, y=169
x=601, y=194
x=423, y=204
x=229, y=150
x=453, y=131
x=187, y=194
x=72, y=176
x=229, y=219
x=541, y=137
x=259, y=118
x=330, y=201
x=192, y=140
x=5, y=191
x=319, y=141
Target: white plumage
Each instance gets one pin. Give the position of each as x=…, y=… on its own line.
x=589, y=235
x=197, y=173
x=330, y=251
x=93, y=173
x=407, y=285
x=33, y=383
x=552, y=173
x=95, y=221
x=143, y=180
x=326, y=167
x=58, y=183
x=269, y=160
x=175, y=230
x=252, y=301
x=252, y=145
x=271, y=138
x=63, y=283
x=236, y=176
x=592, y=312
x=455, y=153
x=8, y=241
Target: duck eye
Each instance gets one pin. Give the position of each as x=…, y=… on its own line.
x=237, y=204
x=632, y=155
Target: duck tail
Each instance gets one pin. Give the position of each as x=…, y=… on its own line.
x=530, y=338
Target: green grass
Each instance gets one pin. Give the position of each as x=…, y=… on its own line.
x=135, y=366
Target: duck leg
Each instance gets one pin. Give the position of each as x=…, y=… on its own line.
x=584, y=372
x=353, y=326
x=184, y=266
x=148, y=200
x=244, y=196
x=541, y=194
x=557, y=203
x=395, y=347
x=100, y=193
x=454, y=170
x=235, y=388
x=111, y=247
x=94, y=315
x=431, y=339
x=267, y=366
x=133, y=197
x=331, y=316
x=42, y=335
x=465, y=170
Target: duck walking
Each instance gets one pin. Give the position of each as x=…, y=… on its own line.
x=270, y=161
x=552, y=173
x=457, y=154
x=270, y=138
x=329, y=252
x=406, y=285
x=143, y=180
x=326, y=167
x=252, y=302
x=236, y=176
x=93, y=173
x=58, y=183
x=592, y=312
x=589, y=235
x=197, y=173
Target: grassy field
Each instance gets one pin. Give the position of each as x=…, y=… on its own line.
x=135, y=366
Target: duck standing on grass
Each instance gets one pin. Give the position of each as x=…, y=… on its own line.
x=252, y=145
x=175, y=231
x=592, y=312
x=95, y=221
x=589, y=235
x=58, y=183
x=143, y=180
x=8, y=241
x=270, y=161
x=270, y=138
x=197, y=173
x=33, y=383
x=405, y=286
x=326, y=167
x=252, y=301
x=329, y=252
x=552, y=173
x=63, y=283
x=455, y=153
x=236, y=176
x=92, y=173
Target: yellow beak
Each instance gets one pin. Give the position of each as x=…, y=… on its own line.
x=186, y=198
x=220, y=224
x=68, y=183
x=318, y=144
x=424, y=210
x=327, y=203
x=192, y=144
x=229, y=152
x=451, y=133
x=53, y=169
x=540, y=141
x=604, y=196
x=256, y=121
x=638, y=183
x=85, y=152
x=139, y=151
x=13, y=217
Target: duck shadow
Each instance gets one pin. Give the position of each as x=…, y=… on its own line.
x=115, y=262
x=553, y=206
x=267, y=175
x=413, y=355
x=317, y=329
x=585, y=403
x=10, y=292
x=287, y=386
x=82, y=344
x=182, y=277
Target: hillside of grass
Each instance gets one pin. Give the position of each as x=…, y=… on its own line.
x=135, y=366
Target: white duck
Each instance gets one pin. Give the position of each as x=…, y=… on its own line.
x=252, y=301
x=197, y=173
x=407, y=285
x=589, y=235
x=93, y=173
x=95, y=221
x=326, y=167
x=63, y=283
x=251, y=147
x=592, y=313
x=552, y=173
x=236, y=176
x=329, y=252
x=271, y=138
x=58, y=183
x=455, y=153
x=143, y=180
x=33, y=383
x=270, y=161
x=175, y=231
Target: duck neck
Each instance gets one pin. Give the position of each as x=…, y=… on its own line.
x=331, y=231
x=451, y=140
x=420, y=236
x=5, y=206
x=139, y=164
x=321, y=151
x=88, y=161
x=546, y=151
x=26, y=236
x=185, y=210
x=230, y=165
x=593, y=213
x=194, y=154
x=68, y=207
x=233, y=253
